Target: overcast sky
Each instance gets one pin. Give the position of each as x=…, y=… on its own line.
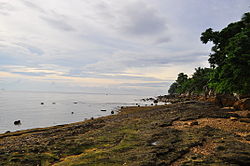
x=110, y=46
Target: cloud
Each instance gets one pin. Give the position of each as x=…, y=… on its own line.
x=140, y=20
x=31, y=49
x=6, y=8
x=32, y=6
x=58, y=23
x=95, y=45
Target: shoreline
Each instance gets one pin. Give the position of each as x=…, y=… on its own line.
x=193, y=132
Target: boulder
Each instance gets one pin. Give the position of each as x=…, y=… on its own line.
x=227, y=100
x=243, y=104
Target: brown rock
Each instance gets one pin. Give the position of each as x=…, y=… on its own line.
x=194, y=123
x=233, y=118
x=226, y=100
x=243, y=104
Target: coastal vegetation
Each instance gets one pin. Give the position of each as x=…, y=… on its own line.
x=229, y=63
x=189, y=131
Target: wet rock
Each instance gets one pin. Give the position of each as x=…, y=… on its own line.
x=225, y=100
x=246, y=120
x=17, y=122
x=194, y=123
x=243, y=104
x=233, y=118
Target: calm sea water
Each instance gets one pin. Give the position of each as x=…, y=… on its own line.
x=57, y=108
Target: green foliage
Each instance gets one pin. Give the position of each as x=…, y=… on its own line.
x=230, y=57
x=196, y=84
x=229, y=60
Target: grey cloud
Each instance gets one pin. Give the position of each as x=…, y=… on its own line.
x=108, y=75
x=151, y=60
x=6, y=8
x=158, y=84
x=31, y=48
x=58, y=23
x=163, y=40
x=32, y=6
x=33, y=74
x=141, y=20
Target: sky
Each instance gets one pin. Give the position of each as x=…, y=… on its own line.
x=106, y=46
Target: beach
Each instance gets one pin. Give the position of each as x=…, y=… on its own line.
x=185, y=133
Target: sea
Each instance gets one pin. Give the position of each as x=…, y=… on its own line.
x=44, y=109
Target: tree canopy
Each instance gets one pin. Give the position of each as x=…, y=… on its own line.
x=229, y=61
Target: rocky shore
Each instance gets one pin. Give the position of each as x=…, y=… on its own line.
x=188, y=132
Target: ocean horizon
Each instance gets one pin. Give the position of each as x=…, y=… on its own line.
x=36, y=109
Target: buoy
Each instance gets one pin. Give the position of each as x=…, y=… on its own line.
x=72, y=112
x=42, y=103
x=112, y=112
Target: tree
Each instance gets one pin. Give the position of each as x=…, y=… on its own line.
x=200, y=80
x=173, y=88
x=230, y=57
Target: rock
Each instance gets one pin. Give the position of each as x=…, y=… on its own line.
x=17, y=122
x=233, y=118
x=226, y=100
x=72, y=112
x=243, y=104
x=75, y=102
x=7, y=132
x=194, y=123
x=103, y=110
x=53, y=103
x=155, y=101
x=42, y=103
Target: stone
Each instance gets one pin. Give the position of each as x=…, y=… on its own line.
x=17, y=122
x=226, y=100
x=233, y=118
x=194, y=123
x=243, y=104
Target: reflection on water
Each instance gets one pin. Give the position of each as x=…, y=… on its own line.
x=40, y=109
